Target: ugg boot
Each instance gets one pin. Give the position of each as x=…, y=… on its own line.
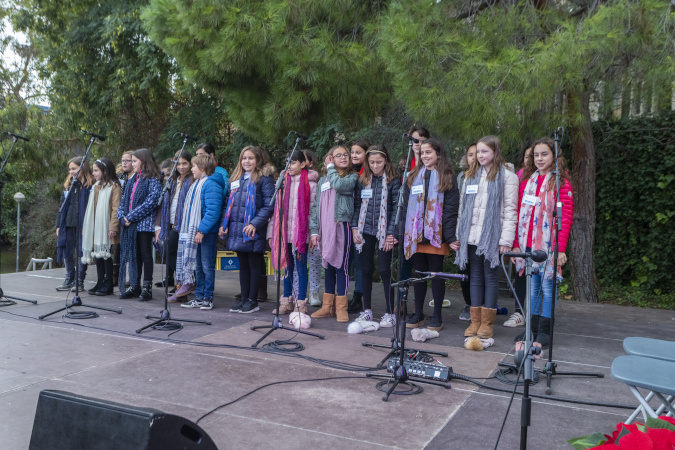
x=106, y=287
x=475, y=322
x=356, y=303
x=285, y=306
x=544, y=332
x=327, y=308
x=487, y=322
x=341, y=303
x=534, y=326
x=301, y=306
x=96, y=287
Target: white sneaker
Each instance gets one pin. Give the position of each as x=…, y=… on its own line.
x=365, y=316
x=194, y=303
x=388, y=321
x=314, y=299
x=516, y=320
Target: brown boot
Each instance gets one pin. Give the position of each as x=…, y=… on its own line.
x=341, y=304
x=285, y=306
x=327, y=307
x=301, y=306
x=487, y=321
x=475, y=322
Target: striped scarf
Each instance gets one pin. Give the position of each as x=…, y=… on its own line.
x=186, y=262
x=300, y=221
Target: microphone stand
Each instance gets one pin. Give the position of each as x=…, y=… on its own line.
x=7, y=300
x=550, y=369
x=164, y=319
x=400, y=373
x=279, y=196
x=402, y=301
x=73, y=190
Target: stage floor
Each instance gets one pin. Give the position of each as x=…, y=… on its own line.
x=104, y=358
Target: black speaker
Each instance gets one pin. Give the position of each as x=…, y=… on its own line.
x=65, y=421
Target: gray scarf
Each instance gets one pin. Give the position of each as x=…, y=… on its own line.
x=488, y=244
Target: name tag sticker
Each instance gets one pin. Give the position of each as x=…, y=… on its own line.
x=234, y=185
x=325, y=186
x=416, y=190
x=473, y=189
x=183, y=236
x=530, y=199
x=367, y=193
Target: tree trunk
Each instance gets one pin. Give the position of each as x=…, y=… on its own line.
x=582, y=239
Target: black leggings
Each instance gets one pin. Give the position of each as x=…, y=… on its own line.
x=104, y=268
x=484, y=280
x=427, y=262
x=466, y=285
x=251, y=268
x=171, y=248
x=368, y=267
x=144, y=255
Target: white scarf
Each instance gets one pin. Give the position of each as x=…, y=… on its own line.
x=381, y=234
x=95, y=240
x=186, y=262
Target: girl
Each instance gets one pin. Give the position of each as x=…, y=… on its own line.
x=314, y=254
x=297, y=202
x=101, y=227
x=69, y=222
x=329, y=225
x=136, y=213
x=418, y=135
x=486, y=227
x=525, y=159
x=245, y=222
x=170, y=214
x=431, y=200
x=373, y=226
x=535, y=225
x=465, y=164
x=358, y=157
x=124, y=169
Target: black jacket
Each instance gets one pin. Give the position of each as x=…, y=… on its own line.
x=370, y=225
x=450, y=211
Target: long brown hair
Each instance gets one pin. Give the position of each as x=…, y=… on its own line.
x=312, y=160
x=148, y=163
x=107, y=167
x=260, y=161
x=389, y=170
x=85, y=176
x=498, y=161
x=186, y=156
x=443, y=166
x=342, y=172
x=530, y=168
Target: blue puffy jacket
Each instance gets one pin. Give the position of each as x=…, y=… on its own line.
x=212, y=203
x=235, y=227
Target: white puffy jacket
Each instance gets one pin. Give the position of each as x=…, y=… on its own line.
x=509, y=214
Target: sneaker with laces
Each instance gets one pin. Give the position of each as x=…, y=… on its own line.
x=194, y=303
x=250, y=306
x=516, y=320
x=388, y=321
x=365, y=316
x=466, y=313
x=206, y=305
x=237, y=306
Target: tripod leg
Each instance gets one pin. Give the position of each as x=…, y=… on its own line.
x=22, y=299
x=385, y=397
x=156, y=322
x=263, y=337
x=53, y=312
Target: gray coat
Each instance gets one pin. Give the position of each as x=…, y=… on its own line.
x=344, y=198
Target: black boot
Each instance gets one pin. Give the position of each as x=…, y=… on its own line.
x=146, y=293
x=355, y=304
x=544, y=332
x=534, y=327
x=96, y=287
x=132, y=292
x=262, y=289
x=106, y=287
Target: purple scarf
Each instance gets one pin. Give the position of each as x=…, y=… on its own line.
x=166, y=207
x=423, y=221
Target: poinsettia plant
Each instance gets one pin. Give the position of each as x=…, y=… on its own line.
x=655, y=434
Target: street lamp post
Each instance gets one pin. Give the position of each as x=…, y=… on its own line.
x=18, y=197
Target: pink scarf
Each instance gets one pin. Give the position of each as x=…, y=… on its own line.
x=300, y=221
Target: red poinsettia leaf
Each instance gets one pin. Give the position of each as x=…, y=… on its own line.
x=636, y=441
x=610, y=439
x=663, y=439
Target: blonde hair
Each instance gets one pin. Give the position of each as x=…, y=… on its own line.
x=119, y=169
x=495, y=145
x=260, y=160
x=85, y=176
x=207, y=163
x=342, y=172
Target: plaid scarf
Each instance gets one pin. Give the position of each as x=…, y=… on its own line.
x=300, y=221
x=542, y=223
x=186, y=262
x=424, y=221
x=165, y=224
x=381, y=222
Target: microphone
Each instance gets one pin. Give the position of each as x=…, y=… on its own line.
x=186, y=136
x=97, y=136
x=557, y=131
x=17, y=136
x=536, y=255
x=447, y=276
x=298, y=135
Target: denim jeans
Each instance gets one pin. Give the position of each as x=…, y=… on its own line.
x=206, y=267
x=301, y=264
x=541, y=289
